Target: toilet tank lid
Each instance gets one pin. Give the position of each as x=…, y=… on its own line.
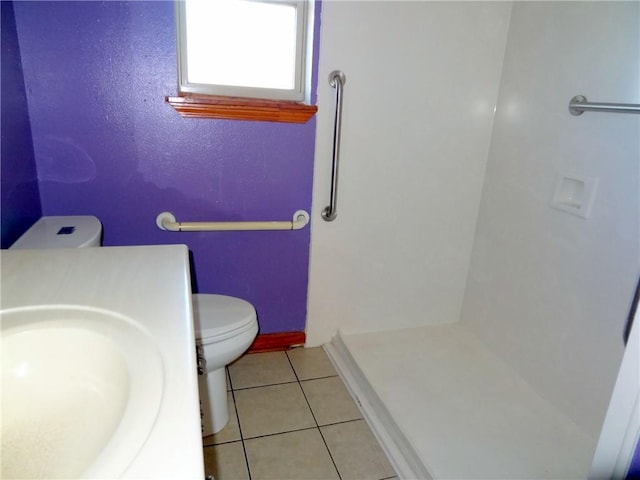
x=214, y=315
x=73, y=231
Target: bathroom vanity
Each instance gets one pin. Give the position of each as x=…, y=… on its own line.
x=98, y=364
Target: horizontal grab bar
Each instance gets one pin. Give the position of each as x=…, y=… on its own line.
x=579, y=104
x=166, y=221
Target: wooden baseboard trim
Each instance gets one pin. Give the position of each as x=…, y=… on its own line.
x=234, y=108
x=273, y=342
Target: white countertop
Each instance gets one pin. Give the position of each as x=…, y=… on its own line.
x=151, y=285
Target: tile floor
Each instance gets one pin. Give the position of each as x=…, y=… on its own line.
x=291, y=417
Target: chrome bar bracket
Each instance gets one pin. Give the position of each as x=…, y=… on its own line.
x=579, y=104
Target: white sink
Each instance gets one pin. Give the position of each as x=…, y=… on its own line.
x=99, y=375
x=81, y=390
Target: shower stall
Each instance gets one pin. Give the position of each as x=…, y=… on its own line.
x=475, y=284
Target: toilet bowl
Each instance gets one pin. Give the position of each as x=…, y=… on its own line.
x=224, y=328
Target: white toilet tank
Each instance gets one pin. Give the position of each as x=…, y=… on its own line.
x=62, y=232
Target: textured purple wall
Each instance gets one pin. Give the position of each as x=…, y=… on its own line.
x=107, y=144
x=19, y=196
x=634, y=468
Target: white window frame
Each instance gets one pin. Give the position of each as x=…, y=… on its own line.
x=300, y=91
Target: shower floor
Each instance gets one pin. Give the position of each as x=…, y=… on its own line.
x=445, y=406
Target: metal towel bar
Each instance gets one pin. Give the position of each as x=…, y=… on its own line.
x=579, y=104
x=166, y=221
x=337, y=79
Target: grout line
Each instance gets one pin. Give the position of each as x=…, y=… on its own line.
x=342, y=422
x=266, y=385
x=296, y=430
x=283, y=432
x=221, y=443
x=318, y=378
x=330, y=454
x=280, y=433
x=235, y=407
x=315, y=420
x=293, y=368
x=228, y=373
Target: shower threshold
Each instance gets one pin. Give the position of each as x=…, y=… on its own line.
x=444, y=406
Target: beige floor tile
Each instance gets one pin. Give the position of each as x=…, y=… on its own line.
x=298, y=455
x=330, y=401
x=272, y=409
x=259, y=369
x=356, y=451
x=311, y=363
x=231, y=431
x=226, y=462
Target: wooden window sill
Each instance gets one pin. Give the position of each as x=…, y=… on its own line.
x=235, y=108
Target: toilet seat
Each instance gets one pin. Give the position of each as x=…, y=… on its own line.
x=218, y=317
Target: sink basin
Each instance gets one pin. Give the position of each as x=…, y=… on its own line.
x=98, y=363
x=81, y=391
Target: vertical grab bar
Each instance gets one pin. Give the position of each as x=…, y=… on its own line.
x=337, y=79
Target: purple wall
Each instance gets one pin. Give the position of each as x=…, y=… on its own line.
x=19, y=196
x=634, y=468
x=107, y=144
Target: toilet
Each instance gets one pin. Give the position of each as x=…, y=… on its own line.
x=62, y=232
x=224, y=328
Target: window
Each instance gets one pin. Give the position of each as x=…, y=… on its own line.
x=242, y=49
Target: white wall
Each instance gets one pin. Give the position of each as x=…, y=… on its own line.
x=618, y=442
x=549, y=291
x=422, y=83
